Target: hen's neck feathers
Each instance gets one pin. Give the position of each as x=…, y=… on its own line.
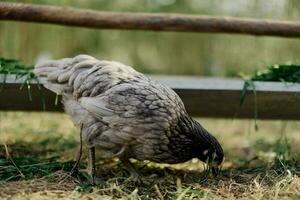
x=190, y=139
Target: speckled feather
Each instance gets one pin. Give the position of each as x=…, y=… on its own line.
x=120, y=107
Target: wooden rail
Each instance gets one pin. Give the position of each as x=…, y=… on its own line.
x=145, y=21
x=204, y=97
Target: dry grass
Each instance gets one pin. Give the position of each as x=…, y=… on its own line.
x=259, y=165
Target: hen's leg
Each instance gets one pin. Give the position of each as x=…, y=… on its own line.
x=92, y=168
x=92, y=164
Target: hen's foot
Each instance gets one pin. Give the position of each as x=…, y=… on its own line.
x=134, y=175
x=96, y=181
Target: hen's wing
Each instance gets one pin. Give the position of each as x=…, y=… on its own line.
x=140, y=113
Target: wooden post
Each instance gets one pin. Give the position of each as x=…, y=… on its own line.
x=143, y=21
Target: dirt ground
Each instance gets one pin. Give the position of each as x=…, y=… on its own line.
x=39, y=150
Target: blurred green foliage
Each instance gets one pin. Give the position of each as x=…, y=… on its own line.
x=11, y=66
x=283, y=72
x=159, y=52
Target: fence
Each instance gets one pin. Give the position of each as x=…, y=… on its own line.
x=206, y=97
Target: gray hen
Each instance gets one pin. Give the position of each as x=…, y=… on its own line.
x=127, y=114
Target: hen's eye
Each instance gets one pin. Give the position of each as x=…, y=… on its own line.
x=205, y=152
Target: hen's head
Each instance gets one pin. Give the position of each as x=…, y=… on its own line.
x=207, y=148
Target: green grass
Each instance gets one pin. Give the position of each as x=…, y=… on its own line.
x=40, y=160
x=172, y=183
x=259, y=165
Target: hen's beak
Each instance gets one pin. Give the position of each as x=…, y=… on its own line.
x=216, y=169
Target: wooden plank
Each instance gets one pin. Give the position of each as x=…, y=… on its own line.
x=14, y=96
x=211, y=97
x=204, y=97
x=146, y=21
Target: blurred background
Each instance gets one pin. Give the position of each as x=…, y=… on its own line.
x=159, y=52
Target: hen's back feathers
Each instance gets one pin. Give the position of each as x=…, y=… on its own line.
x=83, y=75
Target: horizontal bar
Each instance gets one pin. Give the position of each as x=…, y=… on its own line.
x=146, y=21
x=203, y=97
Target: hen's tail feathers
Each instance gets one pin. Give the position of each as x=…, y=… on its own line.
x=61, y=74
